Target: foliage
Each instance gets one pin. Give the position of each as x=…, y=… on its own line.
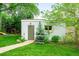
x=40, y=34
x=40, y=30
x=39, y=38
x=55, y=39
x=21, y=39
x=63, y=13
x=67, y=13
x=69, y=38
x=12, y=13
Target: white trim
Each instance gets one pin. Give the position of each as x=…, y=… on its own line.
x=30, y=20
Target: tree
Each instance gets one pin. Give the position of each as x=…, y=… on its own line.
x=67, y=13
x=11, y=14
x=40, y=34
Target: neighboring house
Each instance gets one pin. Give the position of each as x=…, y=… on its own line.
x=29, y=29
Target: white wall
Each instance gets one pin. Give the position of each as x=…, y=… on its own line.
x=59, y=30
x=24, y=30
x=24, y=27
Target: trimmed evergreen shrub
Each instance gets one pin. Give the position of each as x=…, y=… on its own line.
x=55, y=39
x=40, y=34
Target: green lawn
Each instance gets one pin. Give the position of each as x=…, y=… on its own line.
x=8, y=40
x=44, y=50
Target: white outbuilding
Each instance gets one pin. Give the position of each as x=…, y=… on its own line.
x=29, y=29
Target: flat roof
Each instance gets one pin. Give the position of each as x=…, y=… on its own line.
x=26, y=20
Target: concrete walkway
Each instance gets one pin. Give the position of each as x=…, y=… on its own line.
x=7, y=48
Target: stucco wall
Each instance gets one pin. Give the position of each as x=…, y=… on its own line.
x=24, y=27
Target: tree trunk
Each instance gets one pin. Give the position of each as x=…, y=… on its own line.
x=0, y=24
x=76, y=36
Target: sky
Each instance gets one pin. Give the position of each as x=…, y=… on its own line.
x=45, y=6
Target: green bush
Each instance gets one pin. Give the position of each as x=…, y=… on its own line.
x=40, y=34
x=40, y=38
x=55, y=39
x=20, y=39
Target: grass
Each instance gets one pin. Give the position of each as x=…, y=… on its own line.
x=44, y=50
x=8, y=40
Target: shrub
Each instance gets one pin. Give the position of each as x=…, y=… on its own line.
x=55, y=39
x=40, y=34
x=40, y=38
x=20, y=39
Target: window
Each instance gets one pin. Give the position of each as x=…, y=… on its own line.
x=48, y=27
